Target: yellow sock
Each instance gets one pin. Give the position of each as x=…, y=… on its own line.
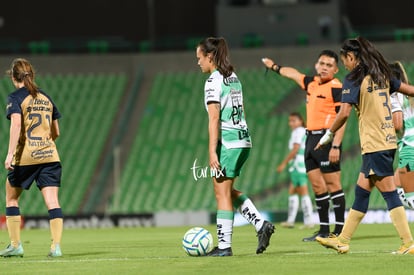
x=399, y=219
x=56, y=229
x=13, y=227
x=351, y=223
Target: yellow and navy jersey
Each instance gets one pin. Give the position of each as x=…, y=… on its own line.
x=35, y=144
x=373, y=106
x=323, y=101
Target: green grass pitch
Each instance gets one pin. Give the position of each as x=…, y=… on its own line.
x=158, y=251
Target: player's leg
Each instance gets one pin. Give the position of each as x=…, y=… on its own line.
x=321, y=201
x=355, y=215
x=293, y=207
x=13, y=221
x=406, y=175
x=306, y=203
x=50, y=196
x=247, y=209
x=397, y=213
x=400, y=189
x=313, y=160
x=224, y=217
x=337, y=196
x=48, y=182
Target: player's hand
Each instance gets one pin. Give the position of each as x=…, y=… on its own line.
x=268, y=62
x=8, y=162
x=325, y=139
x=214, y=162
x=334, y=155
x=280, y=168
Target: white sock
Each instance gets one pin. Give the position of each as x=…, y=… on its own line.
x=307, y=209
x=250, y=213
x=409, y=197
x=224, y=228
x=293, y=208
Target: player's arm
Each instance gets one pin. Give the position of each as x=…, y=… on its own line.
x=55, y=129
x=291, y=155
x=15, y=127
x=406, y=89
x=339, y=121
x=213, y=109
x=334, y=153
x=288, y=72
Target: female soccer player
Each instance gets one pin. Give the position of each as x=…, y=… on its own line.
x=368, y=87
x=298, y=178
x=32, y=155
x=403, y=118
x=229, y=144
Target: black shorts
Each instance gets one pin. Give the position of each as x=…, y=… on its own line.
x=318, y=159
x=378, y=163
x=47, y=174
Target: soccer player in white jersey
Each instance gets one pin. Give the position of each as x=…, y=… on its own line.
x=298, y=186
x=229, y=144
x=403, y=118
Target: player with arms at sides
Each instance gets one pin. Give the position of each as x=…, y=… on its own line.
x=322, y=166
x=229, y=144
x=403, y=118
x=298, y=179
x=32, y=155
x=367, y=87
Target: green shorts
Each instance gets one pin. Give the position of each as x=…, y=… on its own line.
x=406, y=157
x=232, y=160
x=298, y=179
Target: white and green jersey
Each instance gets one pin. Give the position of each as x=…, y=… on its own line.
x=228, y=92
x=298, y=136
x=400, y=102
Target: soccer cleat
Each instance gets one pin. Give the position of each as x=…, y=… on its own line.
x=264, y=235
x=55, y=252
x=217, y=252
x=404, y=250
x=334, y=243
x=316, y=234
x=12, y=251
x=287, y=225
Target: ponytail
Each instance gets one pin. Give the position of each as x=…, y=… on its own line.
x=22, y=71
x=217, y=47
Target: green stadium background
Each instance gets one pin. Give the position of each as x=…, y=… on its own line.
x=133, y=125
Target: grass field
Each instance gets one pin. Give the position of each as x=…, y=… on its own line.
x=158, y=251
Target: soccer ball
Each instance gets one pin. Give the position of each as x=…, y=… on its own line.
x=197, y=241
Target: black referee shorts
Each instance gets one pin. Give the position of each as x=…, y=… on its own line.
x=318, y=159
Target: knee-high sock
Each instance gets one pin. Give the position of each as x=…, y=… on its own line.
x=399, y=219
x=322, y=205
x=307, y=209
x=13, y=221
x=224, y=228
x=338, y=204
x=398, y=216
x=293, y=208
x=249, y=211
x=56, y=226
x=351, y=223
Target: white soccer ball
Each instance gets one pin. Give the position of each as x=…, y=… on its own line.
x=197, y=241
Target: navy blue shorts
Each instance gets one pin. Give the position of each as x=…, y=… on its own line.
x=378, y=163
x=47, y=174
